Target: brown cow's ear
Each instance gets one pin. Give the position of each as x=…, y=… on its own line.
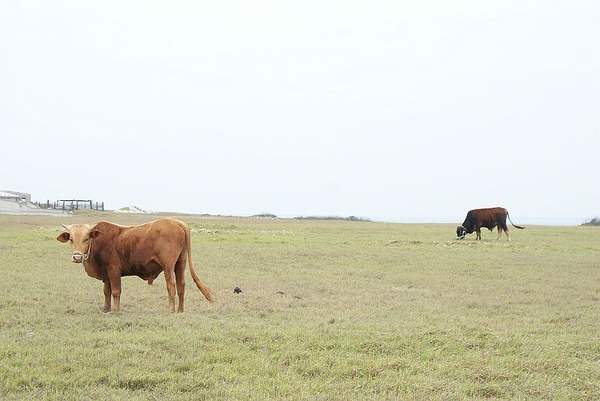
x=95, y=233
x=63, y=237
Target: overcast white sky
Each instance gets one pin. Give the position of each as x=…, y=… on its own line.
x=409, y=111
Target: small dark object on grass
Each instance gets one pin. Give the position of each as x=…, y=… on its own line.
x=237, y=290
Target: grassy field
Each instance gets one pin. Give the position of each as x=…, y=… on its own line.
x=330, y=310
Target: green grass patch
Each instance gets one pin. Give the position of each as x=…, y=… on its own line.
x=330, y=310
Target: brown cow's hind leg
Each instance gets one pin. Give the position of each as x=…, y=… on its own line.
x=170, y=280
x=180, y=279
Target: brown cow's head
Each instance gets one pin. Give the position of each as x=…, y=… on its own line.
x=81, y=237
x=461, y=232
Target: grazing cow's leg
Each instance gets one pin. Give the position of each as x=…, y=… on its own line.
x=170, y=280
x=107, y=295
x=478, y=231
x=505, y=228
x=180, y=279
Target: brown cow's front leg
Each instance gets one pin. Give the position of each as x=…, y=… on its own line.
x=107, y=295
x=115, y=290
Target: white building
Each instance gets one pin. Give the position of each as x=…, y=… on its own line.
x=12, y=202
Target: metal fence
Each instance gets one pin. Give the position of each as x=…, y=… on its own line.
x=72, y=204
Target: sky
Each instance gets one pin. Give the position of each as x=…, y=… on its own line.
x=401, y=111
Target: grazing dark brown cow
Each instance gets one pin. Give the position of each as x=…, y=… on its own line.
x=109, y=251
x=488, y=218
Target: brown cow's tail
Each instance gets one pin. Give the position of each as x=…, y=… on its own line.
x=203, y=289
x=513, y=224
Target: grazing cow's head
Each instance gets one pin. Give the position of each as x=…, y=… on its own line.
x=461, y=232
x=80, y=236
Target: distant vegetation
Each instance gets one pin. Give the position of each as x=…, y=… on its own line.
x=338, y=218
x=593, y=222
x=349, y=218
x=265, y=216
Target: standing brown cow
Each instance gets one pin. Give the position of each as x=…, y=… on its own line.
x=488, y=218
x=110, y=251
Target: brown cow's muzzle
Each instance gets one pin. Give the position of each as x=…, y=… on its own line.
x=78, y=257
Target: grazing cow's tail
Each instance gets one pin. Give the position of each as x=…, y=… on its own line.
x=203, y=289
x=513, y=224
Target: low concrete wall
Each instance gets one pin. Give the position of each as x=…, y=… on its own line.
x=27, y=208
